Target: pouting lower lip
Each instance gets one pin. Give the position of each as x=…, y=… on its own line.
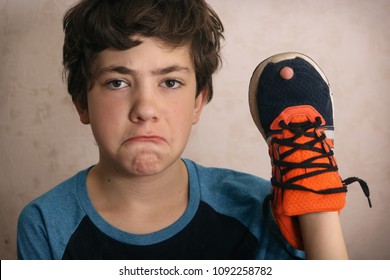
x=146, y=138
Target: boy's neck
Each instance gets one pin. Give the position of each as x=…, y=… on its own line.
x=141, y=204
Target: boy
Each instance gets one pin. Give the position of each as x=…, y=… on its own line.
x=139, y=73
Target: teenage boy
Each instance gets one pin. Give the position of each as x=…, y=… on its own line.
x=139, y=73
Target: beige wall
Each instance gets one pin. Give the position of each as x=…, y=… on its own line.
x=42, y=142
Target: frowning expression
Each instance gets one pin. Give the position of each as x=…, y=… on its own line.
x=142, y=106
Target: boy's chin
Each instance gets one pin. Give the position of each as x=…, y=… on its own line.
x=149, y=165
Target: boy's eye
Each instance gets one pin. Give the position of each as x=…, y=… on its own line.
x=117, y=84
x=172, y=83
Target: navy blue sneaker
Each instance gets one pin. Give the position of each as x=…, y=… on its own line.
x=292, y=106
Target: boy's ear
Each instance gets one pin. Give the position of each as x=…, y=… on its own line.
x=200, y=101
x=83, y=112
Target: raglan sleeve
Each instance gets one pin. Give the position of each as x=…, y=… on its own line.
x=32, y=237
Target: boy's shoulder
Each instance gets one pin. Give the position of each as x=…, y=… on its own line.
x=52, y=216
x=228, y=191
x=59, y=201
x=64, y=193
x=224, y=178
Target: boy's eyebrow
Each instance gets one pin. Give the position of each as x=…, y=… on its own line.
x=170, y=69
x=118, y=69
x=128, y=71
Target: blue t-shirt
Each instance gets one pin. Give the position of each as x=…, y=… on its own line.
x=224, y=219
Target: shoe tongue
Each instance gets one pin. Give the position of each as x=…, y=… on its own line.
x=296, y=114
x=298, y=119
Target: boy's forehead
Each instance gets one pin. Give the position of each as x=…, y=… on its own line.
x=150, y=53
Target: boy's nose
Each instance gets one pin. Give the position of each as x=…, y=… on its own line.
x=144, y=107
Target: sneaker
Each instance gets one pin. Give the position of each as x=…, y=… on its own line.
x=295, y=117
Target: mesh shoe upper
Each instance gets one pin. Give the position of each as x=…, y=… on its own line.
x=295, y=116
x=276, y=94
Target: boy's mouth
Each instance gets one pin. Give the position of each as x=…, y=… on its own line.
x=146, y=138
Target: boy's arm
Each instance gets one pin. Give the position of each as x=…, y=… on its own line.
x=322, y=236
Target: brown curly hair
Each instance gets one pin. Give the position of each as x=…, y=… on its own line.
x=94, y=25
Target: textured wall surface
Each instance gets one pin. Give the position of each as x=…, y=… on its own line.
x=42, y=141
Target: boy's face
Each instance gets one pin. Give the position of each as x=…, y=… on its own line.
x=142, y=107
